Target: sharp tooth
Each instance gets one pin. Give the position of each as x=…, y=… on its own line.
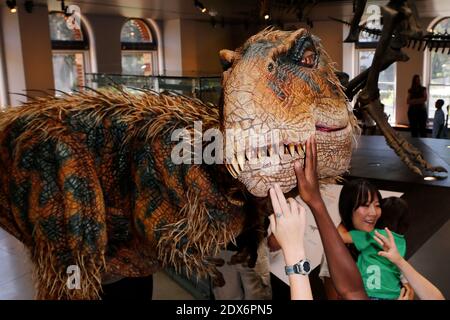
x=300, y=150
x=292, y=149
x=241, y=160
x=248, y=154
x=286, y=151
x=235, y=166
x=231, y=170
x=259, y=152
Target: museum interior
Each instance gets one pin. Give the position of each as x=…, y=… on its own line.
x=93, y=204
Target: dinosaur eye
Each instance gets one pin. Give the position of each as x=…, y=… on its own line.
x=308, y=59
x=270, y=67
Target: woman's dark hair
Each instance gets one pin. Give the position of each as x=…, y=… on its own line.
x=414, y=81
x=353, y=195
x=416, y=88
x=395, y=215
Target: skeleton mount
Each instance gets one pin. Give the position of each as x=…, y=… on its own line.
x=400, y=30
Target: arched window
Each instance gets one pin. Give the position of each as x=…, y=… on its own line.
x=439, y=66
x=365, y=51
x=70, y=48
x=138, y=49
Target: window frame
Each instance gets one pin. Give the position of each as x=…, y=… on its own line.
x=73, y=47
x=142, y=47
x=429, y=71
x=393, y=118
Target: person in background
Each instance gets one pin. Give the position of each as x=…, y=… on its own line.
x=417, y=112
x=439, y=120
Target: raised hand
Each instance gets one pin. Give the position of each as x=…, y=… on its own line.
x=308, y=182
x=288, y=225
x=390, y=250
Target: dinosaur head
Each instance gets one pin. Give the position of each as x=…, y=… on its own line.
x=279, y=89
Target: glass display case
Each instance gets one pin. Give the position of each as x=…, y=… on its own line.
x=207, y=89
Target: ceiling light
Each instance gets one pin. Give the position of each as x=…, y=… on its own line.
x=12, y=5
x=430, y=178
x=200, y=6
x=266, y=16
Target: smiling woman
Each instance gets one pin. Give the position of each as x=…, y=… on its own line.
x=359, y=205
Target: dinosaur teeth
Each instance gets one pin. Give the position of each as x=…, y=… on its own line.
x=300, y=151
x=241, y=161
x=231, y=170
x=270, y=150
x=248, y=154
x=235, y=166
x=291, y=148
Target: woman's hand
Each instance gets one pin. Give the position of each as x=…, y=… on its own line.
x=288, y=225
x=390, y=250
x=307, y=180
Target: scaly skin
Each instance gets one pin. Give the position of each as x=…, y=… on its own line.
x=284, y=82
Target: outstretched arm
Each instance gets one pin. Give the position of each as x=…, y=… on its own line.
x=343, y=271
x=424, y=289
x=288, y=226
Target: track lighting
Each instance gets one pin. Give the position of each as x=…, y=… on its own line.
x=12, y=5
x=200, y=6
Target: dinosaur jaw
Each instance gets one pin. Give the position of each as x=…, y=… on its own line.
x=259, y=169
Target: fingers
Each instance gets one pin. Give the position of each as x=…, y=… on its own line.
x=309, y=162
x=275, y=204
x=403, y=295
x=273, y=223
x=379, y=241
x=281, y=199
x=314, y=152
x=293, y=206
x=391, y=237
x=300, y=173
x=383, y=238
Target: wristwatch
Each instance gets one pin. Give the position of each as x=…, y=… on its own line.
x=302, y=267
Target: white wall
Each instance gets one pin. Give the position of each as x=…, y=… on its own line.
x=172, y=47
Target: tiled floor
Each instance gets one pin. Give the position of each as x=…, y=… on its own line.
x=16, y=281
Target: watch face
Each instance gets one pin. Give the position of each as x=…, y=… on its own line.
x=306, y=266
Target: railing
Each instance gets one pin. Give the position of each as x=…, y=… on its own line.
x=207, y=89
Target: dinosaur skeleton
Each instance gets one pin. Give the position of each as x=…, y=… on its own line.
x=400, y=29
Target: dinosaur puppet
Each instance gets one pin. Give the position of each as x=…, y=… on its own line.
x=88, y=180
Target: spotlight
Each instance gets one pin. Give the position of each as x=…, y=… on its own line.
x=29, y=6
x=266, y=16
x=430, y=178
x=200, y=6
x=12, y=5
